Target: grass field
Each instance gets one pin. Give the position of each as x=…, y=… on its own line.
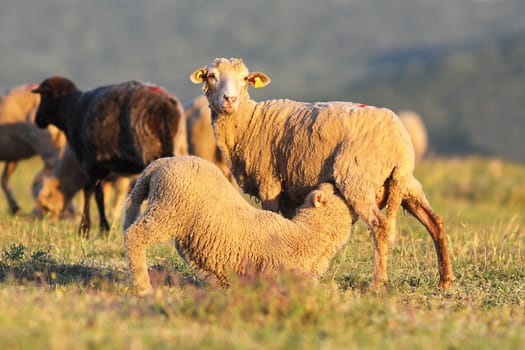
x=58, y=291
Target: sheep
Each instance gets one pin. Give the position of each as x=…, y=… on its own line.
x=112, y=129
x=55, y=193
x=21, y=139
x=201, y=141
x=279, y=150
x=417, y=131
x=216, y=231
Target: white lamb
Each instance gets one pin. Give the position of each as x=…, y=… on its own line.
x=279, y=150
x=217, y=231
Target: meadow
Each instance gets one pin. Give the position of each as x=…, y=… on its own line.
x=59, y=291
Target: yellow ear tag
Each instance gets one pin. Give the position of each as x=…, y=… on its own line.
x=258, y=83
x=199, y=75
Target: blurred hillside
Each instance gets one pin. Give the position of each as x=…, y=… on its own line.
x=455, y=61
x=472, y=100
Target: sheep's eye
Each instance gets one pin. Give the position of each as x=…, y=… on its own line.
x=210, y=76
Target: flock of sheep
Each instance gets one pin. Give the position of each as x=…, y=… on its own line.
x=316, y=168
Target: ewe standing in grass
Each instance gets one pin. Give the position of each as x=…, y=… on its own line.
x=112, y=129
x=279, y=150
x=217, y=231
x=20, y=138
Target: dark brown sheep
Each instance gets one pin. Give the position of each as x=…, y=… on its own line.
x=112, y=129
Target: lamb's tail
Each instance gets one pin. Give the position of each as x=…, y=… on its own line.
x=135, y=198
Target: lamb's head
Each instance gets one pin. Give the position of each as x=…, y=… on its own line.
x=52, y=91
x=226, y=83
x=328, y=202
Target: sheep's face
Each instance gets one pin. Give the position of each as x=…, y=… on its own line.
x=52, y=91
x=226, y=83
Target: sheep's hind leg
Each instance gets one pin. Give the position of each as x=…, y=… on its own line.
x=378, y=224
x=9, y=168
x=379, y=228
x=416, y=203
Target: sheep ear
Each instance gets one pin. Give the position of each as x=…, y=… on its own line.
x=198, y=76
x=38, y=90
x=318, y=199
x=258, y=79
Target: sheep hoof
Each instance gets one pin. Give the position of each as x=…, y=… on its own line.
x=446, y=283
x=143, y=293
x=14, y=209
x=83, y=230
x=378, y=287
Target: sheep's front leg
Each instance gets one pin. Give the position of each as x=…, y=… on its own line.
x=269, y=194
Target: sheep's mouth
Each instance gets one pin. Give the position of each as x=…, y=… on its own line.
x=227, y=108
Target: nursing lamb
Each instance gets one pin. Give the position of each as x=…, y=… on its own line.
x=216, y=230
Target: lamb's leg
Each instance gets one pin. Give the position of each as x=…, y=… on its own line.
x=99, y=199
x=146, y=231
x=135, y=245
x=416, y=203
x=9, y=168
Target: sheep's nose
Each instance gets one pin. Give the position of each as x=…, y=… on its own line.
x=230, y=99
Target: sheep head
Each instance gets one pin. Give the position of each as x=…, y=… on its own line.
x=51, y=91
x=226, y=83
x=50, y=199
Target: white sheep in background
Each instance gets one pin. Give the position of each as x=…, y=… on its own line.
x=54, y=195
x=279, y=150
x=217, y=231
x=21, y=139
x=417, y=131
x=201, y=141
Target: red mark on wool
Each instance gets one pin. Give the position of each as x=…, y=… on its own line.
x=155, y=89
x=362, y=105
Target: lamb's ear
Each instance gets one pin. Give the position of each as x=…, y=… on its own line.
x=318, y=199
x=258, y=79
x=199, y=75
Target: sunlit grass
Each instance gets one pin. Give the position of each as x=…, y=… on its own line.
x=59, y=291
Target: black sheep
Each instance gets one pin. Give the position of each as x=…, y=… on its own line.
x=112, y=129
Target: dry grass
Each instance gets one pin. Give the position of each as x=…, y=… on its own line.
x=58, y=291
